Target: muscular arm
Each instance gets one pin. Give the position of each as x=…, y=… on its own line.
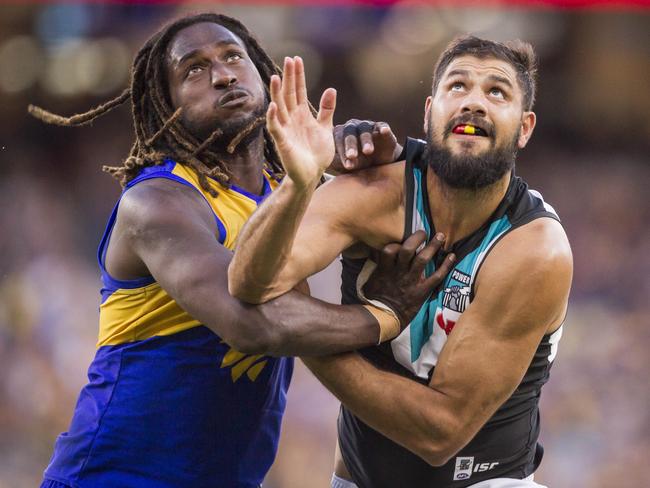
x=278, y=248
x=485, y=356
x=170, y=232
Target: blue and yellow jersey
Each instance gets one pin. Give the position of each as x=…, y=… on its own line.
x=168, y=403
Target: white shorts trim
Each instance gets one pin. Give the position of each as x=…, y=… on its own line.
x=508, y=483
x=493, y=483
x=341, y=483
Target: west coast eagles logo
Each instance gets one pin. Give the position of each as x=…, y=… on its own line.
x=240, y=363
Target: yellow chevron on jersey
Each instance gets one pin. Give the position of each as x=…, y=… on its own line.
x=136, y=310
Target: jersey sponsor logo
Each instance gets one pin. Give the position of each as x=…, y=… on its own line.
x=240, y=363
x=463, y=469
x=456, y=298
x=479, y=468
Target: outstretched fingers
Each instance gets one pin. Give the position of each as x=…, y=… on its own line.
x=301, y=85
x=274, y=125
x=289, y=83
x=278, y=100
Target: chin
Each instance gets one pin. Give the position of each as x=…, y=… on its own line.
x=468, y=148
x=229, y=122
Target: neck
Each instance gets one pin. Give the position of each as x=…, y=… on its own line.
x=457, y=213
x=246, y=164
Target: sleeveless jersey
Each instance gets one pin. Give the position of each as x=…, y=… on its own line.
x=507, y=445
x=168, y=403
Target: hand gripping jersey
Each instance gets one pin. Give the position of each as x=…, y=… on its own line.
x=507, y=445
x=168, y=403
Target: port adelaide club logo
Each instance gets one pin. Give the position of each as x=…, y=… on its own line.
x=456, y=296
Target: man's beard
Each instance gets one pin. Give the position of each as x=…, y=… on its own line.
x=468, y=171
x=228, y=129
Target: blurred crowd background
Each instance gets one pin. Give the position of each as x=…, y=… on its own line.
x=589, y=157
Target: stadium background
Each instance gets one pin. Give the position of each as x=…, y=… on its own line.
x=589, y=158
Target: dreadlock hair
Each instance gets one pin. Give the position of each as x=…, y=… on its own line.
x=158, y=133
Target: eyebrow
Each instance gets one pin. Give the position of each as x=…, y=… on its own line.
x=500, y=79
x=493, y=78
x=194, y=52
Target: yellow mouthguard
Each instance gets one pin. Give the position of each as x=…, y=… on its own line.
x=469, y=130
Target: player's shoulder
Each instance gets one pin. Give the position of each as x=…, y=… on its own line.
x=381, y=182
x=368, y=203
x=544, y=238
x=384, y=174
x=539, y=248
x=526, y=278
x=160, y=201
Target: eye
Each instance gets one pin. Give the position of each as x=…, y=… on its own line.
x=194, y=70
x=234, y=56
x=497, y=92
x=456, y=86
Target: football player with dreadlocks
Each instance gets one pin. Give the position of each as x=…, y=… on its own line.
x=188, y=386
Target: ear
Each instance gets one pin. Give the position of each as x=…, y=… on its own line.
x=528, y=121
x=427, y=109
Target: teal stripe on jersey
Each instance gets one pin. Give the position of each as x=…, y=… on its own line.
x=422, y=326
x=420, y=201
x=422, y=217
x=423, y=323
x=497, y=228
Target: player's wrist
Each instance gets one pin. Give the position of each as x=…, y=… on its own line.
x=303, y=183
x=389, y=323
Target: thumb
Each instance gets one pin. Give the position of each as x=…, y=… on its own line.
x=327, y=107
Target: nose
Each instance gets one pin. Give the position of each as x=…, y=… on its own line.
x=474, y=103
x=222, y=77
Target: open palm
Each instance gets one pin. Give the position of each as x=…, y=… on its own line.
x=304, y=142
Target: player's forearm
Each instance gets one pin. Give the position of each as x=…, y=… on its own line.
x=303, y=326
x=293, y=324
x=265, y=243
x=412, y=415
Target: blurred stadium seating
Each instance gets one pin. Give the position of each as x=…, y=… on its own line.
x=589, y=157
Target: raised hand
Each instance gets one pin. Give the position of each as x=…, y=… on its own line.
x=304, y=142
x=399, y=281
x=364, y=143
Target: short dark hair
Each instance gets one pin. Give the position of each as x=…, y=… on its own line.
x=520, y=55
